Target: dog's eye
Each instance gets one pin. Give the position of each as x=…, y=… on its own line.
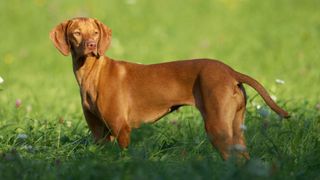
x=76, y=33
x=96, y=32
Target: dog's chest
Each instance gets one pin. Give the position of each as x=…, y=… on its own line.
x=89, y=96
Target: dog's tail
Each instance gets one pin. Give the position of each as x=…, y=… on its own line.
x=242, y=78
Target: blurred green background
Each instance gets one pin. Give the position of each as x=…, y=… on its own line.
x=268, y=40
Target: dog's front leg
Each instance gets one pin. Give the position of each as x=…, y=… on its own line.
x=98, y=129
x=121, y=131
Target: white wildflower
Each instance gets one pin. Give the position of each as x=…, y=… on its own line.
x=1, y=80
x=280, y=81
x=264, y=112
x=22, y=136
x=28, y=147
x=239, y=148
x=68, y=123
x=243, y=127
x=273, y=97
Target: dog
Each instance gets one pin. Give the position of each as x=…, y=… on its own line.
x=117, y=96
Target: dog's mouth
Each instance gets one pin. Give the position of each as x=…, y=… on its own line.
x=93, y=53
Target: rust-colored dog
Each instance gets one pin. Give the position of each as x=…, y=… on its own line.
x=117, y=95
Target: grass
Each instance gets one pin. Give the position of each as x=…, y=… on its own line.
x=46, y=137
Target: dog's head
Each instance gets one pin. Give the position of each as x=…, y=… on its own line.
x=81, y=36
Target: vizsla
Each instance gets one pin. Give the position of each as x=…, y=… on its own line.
x=118, y=96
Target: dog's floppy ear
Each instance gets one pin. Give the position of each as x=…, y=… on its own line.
x=59, y=38
x=105, y=38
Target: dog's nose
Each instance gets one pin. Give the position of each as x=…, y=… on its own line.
x=91, y=44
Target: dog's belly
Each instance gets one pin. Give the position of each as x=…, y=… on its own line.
x=151, y=113
x=148, y=115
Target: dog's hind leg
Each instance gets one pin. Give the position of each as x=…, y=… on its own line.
x=218, y=125
x=239, y=144
x=218, y=111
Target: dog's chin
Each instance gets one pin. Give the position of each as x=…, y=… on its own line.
x=92, y=54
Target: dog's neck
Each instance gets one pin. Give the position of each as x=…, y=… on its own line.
x=87, y=66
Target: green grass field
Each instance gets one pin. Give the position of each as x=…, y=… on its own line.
x=43, y=134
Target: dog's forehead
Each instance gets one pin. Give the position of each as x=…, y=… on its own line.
x=83, y=24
